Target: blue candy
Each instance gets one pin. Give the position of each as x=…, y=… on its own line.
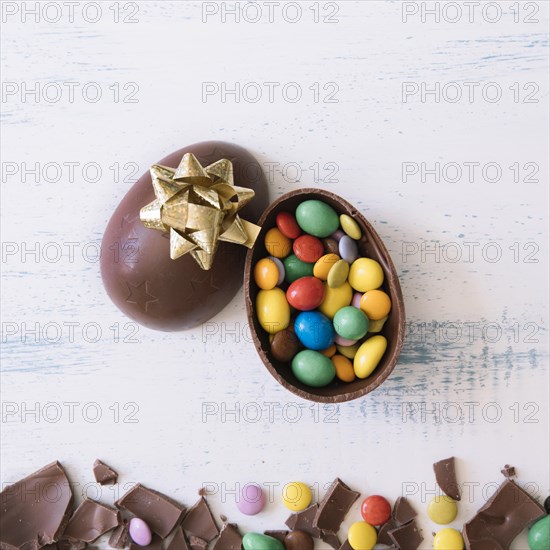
x=314, y=330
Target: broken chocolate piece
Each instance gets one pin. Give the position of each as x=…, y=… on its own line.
x=199, y=521
x=508, y=471
x=279, y=535
x=104, y=474
x=197, y=543
x=383, y=534
x=346, y=545
x=303, y=521
x=445, y=475
x=331, y=539
x=70, y=544
x=160, y=512
x=178, y=542
x=120, y=538
x=91, y=520
x=334, y=506
x=403, y=512
x=230, y=538
x=407, y=536
x=155, y=544
x=35, y=509
x=502, y=518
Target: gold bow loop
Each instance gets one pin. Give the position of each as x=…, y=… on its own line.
x=199, y=207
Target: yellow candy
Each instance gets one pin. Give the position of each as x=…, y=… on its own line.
x=448, y=539
x=348, y=351
x=273, y=310
x=277, y=244
x=365, y=274
x=377, y=326
x=296, y=496
x=338, y=274
x=335, y=299
x=323, y=264
x=376, y=304
x=362, y=536
x=368, y=356
x=344, y=368
x=266, y=274
x=441, y=509
x=350, y=227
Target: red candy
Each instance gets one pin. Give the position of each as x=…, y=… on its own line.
x=308, y=249
x=287, y=225
x=376, y=510
x=306, y=293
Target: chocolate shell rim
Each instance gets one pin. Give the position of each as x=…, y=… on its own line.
x=395, y=346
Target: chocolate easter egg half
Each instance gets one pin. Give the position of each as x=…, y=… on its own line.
x=138, y=273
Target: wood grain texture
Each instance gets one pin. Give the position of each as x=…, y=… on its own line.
x=205, y=408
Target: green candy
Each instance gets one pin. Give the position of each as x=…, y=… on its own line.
x=295, y=268
x=313, y=368
x=539, y=534
x=351, y=323
x=317, y=218
x=257, y=541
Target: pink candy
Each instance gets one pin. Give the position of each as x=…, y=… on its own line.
x=140, y=532
x=251, y=500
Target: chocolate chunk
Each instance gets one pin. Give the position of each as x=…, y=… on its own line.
x=346, y=545
x=508, y=471
x=120, y=538
x=104, y=474
x=279, y=535
x=331, y=539
x=445, y=475
x=303, y=521
x=160, y=512
x=383, y=534
x=403, y=512
x=199, y=521
x=502, y=518
x=334, y=506
x=155, y=544
x=91, y=520
x=230, y=538
x=197, y=543
x=407, y=536
x=71, y=544
x=178, y=542
x=547, y=505
x=298, y=540
x=35, y=509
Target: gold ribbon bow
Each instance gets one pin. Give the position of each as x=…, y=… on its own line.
x=199, y=207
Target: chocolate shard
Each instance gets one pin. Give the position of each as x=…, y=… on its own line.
x=508, y=471
x=197, y=543
x=496, y=524
x=120, y=538
x=331, y=539
x=104, y=474
x=160, y=512
x=445, y=475
x=230, y=538
x=334, y=506
x=407, y=536
x=178, y=542
x=155, y=544
x=384, y=533
x=199, y=521
x=70, y=544
x=31, y=517
x=403, y=512
x=303, y=521
x=346, y=545
x=277, y=534
x=91, y=520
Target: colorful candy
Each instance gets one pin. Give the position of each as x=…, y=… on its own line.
x=335, y=299
x=252, y=499
x=313, y=368
x=296, y=496
x=362, y=536
x=449, y=539
x=140, y=532
x=280, y=267
x=313, y=329
x=368, y=355
x=376, y=510
x=376, y=304
x=348, y=250
x=257, y=541
x=308, y=249
x=277, y=244
x=287, y=225
x=338, y=274
x=266, y=274
x=284, y=345
x=344, y=368
x=295, y=268
x=272, y=310
x=323, y=265
x=351, y=323
x=365, y=274
x=306, y=293
x=539, y=534
x=317, y=218
x=441, y=509
x=350, y=227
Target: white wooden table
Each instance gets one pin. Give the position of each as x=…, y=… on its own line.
x=437, y=129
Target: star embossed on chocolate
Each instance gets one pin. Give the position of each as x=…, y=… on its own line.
x=140, y=295
x=129, y=218
x=207, y=283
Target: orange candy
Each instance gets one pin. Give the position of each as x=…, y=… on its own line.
x=329, y=352
x=376, y=304
x=277, y=244
x=344, y=368
x=266, y=274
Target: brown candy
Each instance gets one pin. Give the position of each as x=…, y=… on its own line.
x=298, y=540
x=285, y=345
x=137, y=271
x=331, y=246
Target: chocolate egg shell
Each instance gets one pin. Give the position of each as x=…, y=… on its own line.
x=371, y=246
x=138, y=273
